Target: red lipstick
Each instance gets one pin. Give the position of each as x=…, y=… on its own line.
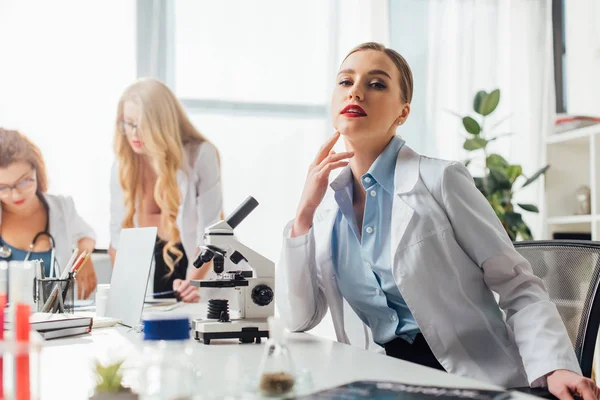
x=353, y=111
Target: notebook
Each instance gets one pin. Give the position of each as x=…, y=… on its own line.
x=130, y=275
x=61, y=333
x=47, y=321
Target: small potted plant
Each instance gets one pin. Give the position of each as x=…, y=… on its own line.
x=109, y=383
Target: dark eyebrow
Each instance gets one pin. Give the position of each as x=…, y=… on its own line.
x=379, y=72
x=372, y=72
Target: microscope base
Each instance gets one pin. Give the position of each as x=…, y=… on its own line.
x=247, y=331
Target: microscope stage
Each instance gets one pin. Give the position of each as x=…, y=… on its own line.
x=247, y=330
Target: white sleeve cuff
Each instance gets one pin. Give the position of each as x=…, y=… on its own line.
x=297, y=241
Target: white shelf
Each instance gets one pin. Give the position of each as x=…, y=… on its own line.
x=574, y=163
x=573, y=134
x=571, y=219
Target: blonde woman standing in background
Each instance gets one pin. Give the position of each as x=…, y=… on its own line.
x=166, y=175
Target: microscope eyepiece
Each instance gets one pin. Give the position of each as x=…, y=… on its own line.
x=240, y=213
x=205, y=256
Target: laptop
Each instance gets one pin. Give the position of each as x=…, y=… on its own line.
x=130, y=275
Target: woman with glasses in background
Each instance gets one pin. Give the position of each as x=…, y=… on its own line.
x=35, y=225
x=166, y=175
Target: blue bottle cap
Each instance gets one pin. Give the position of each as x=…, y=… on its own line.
x=166, y=327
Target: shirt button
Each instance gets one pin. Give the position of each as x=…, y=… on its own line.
x=369, y=229
x=393, y=317
x=373, y=193
x=369, y=265
x=377, y=292
x=367, y=179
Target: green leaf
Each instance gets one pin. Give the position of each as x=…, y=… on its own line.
x=479, y=183
x=529, y=207
x=498, y=209
x=496, y=161
x=513, y=219
x=513, y=172
x=535, y=176
x=475, y=144
x=498, y=180
x=479, y=100
x=490, y=102
x=525, y=232
x=471, y=126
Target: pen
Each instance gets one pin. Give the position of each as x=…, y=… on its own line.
x=77, y=268
x=164, y=293
x=71, y=260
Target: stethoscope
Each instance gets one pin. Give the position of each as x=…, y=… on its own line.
x=6, y=252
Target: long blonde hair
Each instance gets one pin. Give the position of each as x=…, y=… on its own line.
x=165, y=130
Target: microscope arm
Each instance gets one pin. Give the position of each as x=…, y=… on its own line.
x=263, y=267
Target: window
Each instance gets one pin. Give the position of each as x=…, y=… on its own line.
x=252, y=51
x=60, y=86
x=266, y=157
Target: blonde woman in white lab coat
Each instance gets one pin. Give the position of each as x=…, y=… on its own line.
x=166, y=175
x=405, y=251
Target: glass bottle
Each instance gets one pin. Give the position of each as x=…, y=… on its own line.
x=277, y=374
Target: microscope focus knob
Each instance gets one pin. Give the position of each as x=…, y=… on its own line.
x=262, y=295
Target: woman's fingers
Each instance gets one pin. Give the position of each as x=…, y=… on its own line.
x=335, y=158
x=190, y=295
x=326, y=148
x=185, y=291
x=335, y=165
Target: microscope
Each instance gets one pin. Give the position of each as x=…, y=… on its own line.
x=254, y=289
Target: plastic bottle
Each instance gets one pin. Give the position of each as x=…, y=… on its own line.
x=168, y=370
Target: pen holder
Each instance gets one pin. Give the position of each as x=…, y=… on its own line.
x=55, y=295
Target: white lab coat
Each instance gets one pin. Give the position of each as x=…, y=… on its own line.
x=202, y=199
x=449, y=253
x=65, y=225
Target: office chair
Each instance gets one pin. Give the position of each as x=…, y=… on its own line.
x=571, y=272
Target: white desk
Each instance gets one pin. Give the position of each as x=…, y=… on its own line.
x=224, y=364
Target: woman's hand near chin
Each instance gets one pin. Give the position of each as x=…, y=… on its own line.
x=316, y=183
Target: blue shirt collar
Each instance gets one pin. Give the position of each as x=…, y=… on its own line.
x=343, y=180
x=381, y=171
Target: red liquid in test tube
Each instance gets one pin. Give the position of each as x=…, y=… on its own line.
x=22, y=385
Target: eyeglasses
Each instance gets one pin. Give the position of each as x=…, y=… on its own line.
x=128, y=128
x=22, y=186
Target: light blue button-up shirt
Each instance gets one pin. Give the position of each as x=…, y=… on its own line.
x=364, y=266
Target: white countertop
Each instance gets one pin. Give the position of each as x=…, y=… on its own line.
x=226, y=364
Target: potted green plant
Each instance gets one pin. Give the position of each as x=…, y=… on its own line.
x=499, y=176
x=109, y=383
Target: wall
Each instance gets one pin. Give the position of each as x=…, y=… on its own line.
x=582, y=29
